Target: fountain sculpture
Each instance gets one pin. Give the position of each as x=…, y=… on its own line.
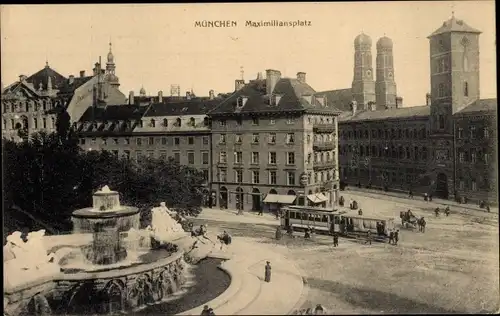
x=107, y=265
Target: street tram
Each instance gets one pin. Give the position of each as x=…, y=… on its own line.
x=302, y=217
x=326, y=220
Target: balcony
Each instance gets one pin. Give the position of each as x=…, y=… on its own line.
x=322, y=165
x=323, y=128
x=324, y=145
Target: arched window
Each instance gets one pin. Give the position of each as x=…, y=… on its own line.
x=415, y=153
x=424, y=153
x=152, y=123
x=165, y=122
x=408, y=153
x=27, y=106
x=192, y=121
x=466, y=89
x=178, y=122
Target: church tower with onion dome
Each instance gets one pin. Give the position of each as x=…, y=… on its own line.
x=385, y=85
x=363, y=86
x=111, y=77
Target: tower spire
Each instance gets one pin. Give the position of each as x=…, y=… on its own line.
x=242, y=73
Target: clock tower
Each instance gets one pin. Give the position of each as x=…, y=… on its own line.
x=363, y=86
x=454, y=70
x=385, y=86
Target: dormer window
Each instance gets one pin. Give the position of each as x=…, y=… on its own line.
x=165, y=122
x=206, y=121
x=308, y=98
x=178, y=122
x=241, y=101
x=152, y=123
x=192, y=121
x=141, y=124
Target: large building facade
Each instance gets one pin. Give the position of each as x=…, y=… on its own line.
x=274, y=137
x=436, y=148
x=31, y=104
x=153, y=126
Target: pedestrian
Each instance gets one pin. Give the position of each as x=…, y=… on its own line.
x=447, y=211
x=307, y=233
x=211, y=312
x=260, y=211
x=436, y=211
x=410, y=194
x=267, y=275
x=205, y=311
x=430, y=197
x=360, y=212
x=335, y=240
x=396, y=237
x=391, y=237
x=369, y=237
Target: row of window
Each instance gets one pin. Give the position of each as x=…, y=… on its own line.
x=21, y=106
x=444, y=89
x=289, y=138
x=473, y=133
x=37, y=123
x=254, y=176
x=162, y=154
x=255, y=158
x=177, y=122
x=473, y=156
x=380, y=175
x=139, y=141
x=256, y=121
x=386, y=134
x=386, y=152
x=473, y=185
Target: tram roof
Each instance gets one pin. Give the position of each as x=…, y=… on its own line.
x=310, y=209
x=373, y=216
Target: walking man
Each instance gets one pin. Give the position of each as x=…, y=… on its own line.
x=260, y=211
x=391, y=237
x=396, y=237
x=410, y=194
x=267, y=275
x=369, y=237
x=335, y=240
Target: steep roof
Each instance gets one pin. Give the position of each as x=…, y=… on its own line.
x=340, y=99
x=454, y=25
x=481, y=105
x=114, y=113
x=292, y=93
x=42, y=76
x=395, y=113
x=77, y=82
x=178, y=107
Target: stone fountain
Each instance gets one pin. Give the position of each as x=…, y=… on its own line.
x=107, y=265
x=106, y=220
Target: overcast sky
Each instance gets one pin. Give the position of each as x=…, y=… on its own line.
x=158, y=45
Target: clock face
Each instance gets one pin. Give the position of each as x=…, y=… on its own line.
x=464, y=41
x=389, y=74
x=368, y=73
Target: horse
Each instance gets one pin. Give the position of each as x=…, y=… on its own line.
x=200, y=232
x=224, y=238
x=436, y=211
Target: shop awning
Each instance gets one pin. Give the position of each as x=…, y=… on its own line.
x=317, y=198
x=279, y=198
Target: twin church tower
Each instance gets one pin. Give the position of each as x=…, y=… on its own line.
x=369, y=93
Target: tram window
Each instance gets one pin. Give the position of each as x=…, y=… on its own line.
x=337, y=220
x=304, y=216
x=324, y=219
x=311, y=217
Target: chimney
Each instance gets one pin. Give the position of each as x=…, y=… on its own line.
x=22, y=78
x=428, y=99
x=399, y=102
x=354, y=107
x=211, y=94
x=259, y=76
x=272, y=78
x=301, y=76
x=160, y=96
x=188, y=95
x=131, y=99
x=96, y=69
x=71, y=79
x=238, y=84
x=82, y=73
